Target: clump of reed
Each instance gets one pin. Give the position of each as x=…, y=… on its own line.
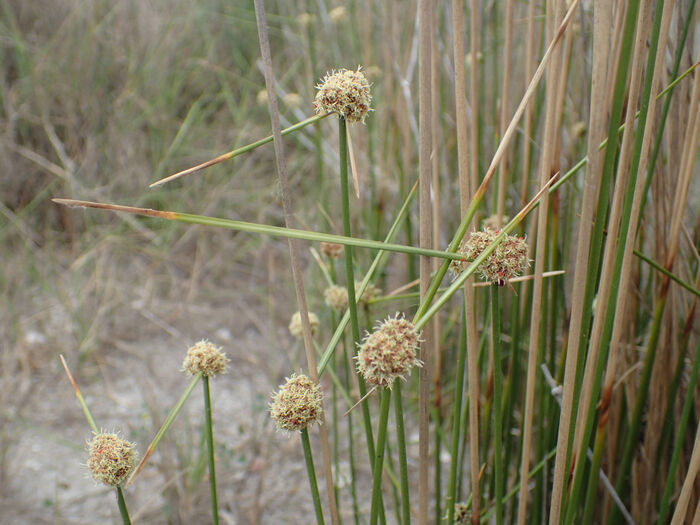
x=554, y=398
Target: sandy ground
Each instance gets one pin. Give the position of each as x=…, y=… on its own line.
x=130, y=377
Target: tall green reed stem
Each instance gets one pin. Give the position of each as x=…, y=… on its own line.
x=403, y=463
x=122, y=506
x=350, y=279
x=308, y=457
x=209, y=436
x=497, y=399
x=456, y=419
x=385, y=399
x=680, y=437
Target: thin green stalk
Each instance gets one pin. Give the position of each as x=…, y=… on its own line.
x=209, y=435
x=632, y=435
x=164, y=427
x=350, y=278
x=512, y=492
x=680, y=47
x=591, y=502
x=668, y=274
x=609, y=313
x=456, y=419
x=238, y=151
x=403, y=463
x=122, y=506
x=277, y=231
x=351, y=441
x=306, y=444
x=680, y=437
x=81, y=399
x=378, y=467
x=497, y=400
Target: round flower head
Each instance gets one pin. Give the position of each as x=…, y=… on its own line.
x=295, y=327
x=336, y=297
x=206, y=358
x=338, y=14
x=332, y=250
x=110, y=458
x=463, y=515
x=345, y=92
x=389, y=352
x=508, y=260
x=370, y=293
x=297, y=404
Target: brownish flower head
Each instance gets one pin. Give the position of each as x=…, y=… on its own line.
x=463, y=516
x=206, y=358
x=370, y=293
x=295, y=327
x=336, y=297
x=332, y=250
x=508, y=260
x=110, y=458
x=345, y=92
x=389, y=352
x=297, y=404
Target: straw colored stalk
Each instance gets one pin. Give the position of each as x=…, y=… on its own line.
x=465, y=195
x=679, y=514
x=293, y=245
x=436, y=336
x=607, y=273
x=692, y=137
x=547, y=161
x=601, y=26
x=505, y=95
x=425, y=8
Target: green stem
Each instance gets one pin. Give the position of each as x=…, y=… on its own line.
x=668, y=274
x=350, y=275
x=591, y=502
x=497, y=402
x=403, y=463
x=378, y=467
x=209, y=435
x=680, y=437
x=122, y=506
x=456, y=419
x=632, y=436
x=239, y=151
x=306, y=444
x=335, y=339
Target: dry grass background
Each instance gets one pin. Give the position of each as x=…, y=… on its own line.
x=99, y=99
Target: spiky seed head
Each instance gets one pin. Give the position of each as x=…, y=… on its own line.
x=345, y=92
x=332, y=250
x=336, y=297
x=508, y=260
x=463, y=515
x=206, y=358
x=370, y=293
x=110, y=458
x=389, y=352
x=297, y=404
x=295, y=327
